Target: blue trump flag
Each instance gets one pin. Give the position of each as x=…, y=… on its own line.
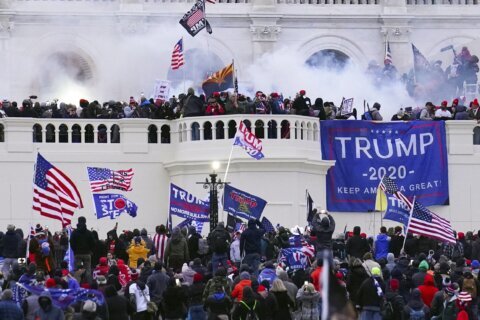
x=185, y=205
x=397, y=210
x=413, y=154
x=294, y=258
x=242, y=204
x=112, y=205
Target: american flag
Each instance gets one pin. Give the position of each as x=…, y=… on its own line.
x=267, y=225
x=419, y=61
x=102, y=179
x=390, y=187
x=240, y=227
x=177, y=55
x=298, y=241
x=425, y=222
x=54, y=194
x=388, y=53
x=195, y=17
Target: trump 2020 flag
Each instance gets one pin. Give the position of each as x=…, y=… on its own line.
x=242, y=204
x=294, y=258
x=248, y=141
x=112, y=205
x=185, y=205
x=397, y=210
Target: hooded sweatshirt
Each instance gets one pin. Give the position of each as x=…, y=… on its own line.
x=381, y=246
x=47, y=311
x=177, y=246
x=81, y=240
x=416, y=305
x=390, y=262
x=428, y=290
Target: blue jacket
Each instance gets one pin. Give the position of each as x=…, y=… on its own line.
x=11, y=244
x=381, y=246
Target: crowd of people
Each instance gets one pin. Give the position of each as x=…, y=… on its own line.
x=238, y=275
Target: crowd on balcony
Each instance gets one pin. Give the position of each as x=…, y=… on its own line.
x=236, y=273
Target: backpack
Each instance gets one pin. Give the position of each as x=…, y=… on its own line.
x=387, y=310
x=219, y=242
x=203, y=247
x=470, y=287
x=417, y=314
x=251, y=315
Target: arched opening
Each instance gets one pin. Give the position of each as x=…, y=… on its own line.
x=297, y=129
x=152, y=134
x=328, y=59
x=66, y=69
x=272, y=129
x=2, y=133
x=37, y=133
x=232, y=129
x=198, y=63
x=165, y=134
x=63, y=133
x=219, y=130
x=302, y=131
x=248, y=124
x=115, y=134
x=195, y=131
x=89, y=137
x=285, y=130
x=309, y=131
x=207, y=131
x=315, y=132
x=76, y=133
x=102, y=134
x=50, y=134
x=476, y=136
x=259, y=130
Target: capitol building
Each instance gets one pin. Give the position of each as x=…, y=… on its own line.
x=112, y=49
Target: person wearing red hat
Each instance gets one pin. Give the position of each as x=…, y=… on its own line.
x=195, y=296
x=302, y=104
x=443, y=113
x=394, y=302
x=428, y=290
x=473, y=112
x=276, y=104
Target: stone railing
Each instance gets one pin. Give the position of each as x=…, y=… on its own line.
x=442, y=2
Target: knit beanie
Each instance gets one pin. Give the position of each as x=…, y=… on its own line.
x=423, y=265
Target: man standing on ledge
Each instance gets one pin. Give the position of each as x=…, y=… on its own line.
x=323, y=225
x=82, y=243
x=250, y=244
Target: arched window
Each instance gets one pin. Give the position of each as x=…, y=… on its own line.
x=232, y=129
x=76, y=133
x=248, y=124
x=37, y=133
x=272, y=129
x=207, y=131
x=50, y=134
x=2, y=133
x=115, y=134
x=89, y=133
x=309, y=131
x=315, y=132
x=152, y=134
x=219, y=130
x=102, y=134
x=302, y=131
x=63, y=133
x=259, y=131
x=165, y=134
x=195, y=131
x=285, y=131
x=297, y=129
x=328, y=59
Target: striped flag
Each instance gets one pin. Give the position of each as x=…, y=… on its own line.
x=426, y=223
x=54, y=193
x=267, y=225
x=177, y=55
x=388, y=53
x=102, y=179
x=69, y=257
x=390, y=187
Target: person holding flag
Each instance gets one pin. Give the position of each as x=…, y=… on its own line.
x=323, y=225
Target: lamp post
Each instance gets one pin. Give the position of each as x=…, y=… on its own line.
x=213, y=185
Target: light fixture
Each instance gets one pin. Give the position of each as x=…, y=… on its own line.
x=215, y=165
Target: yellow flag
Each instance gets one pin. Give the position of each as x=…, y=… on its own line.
x=381, y=200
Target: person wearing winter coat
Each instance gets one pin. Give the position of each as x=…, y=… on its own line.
x=245, y=281
x=192, y=242
x=355, y=278
x=139, y=292
x=307, y=302
x=118, y=306
x=323, y=225
x=382, y=244
x=102, y=268
x=282, y=239
x=428, y=290
x=195, y=298
x=146, y=239
x=157, y=283
x=235, y=256
x=136, y=252
x=11, y=246
x=370, y=296
x=394, y=298
x=218, y=304
x=396, y=242
x=219, y=242
x=356, y=245
x=285, y=303
x=175, y=301
x=82, y=244
x=416, y=308
x=247, y=305
x=41, y=249
x=292, y=289
x=418, y=278
x=250, y=244
x=390, y=262
x=369, y=264
x=115, y=246
x=8, y=308
x=219, y=280
x=47, y=310
x=176, y=253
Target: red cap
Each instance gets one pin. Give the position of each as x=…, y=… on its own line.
x=261, y=288
x=444, y=102
x=302, y=92
x=339, y=275
x=475, y=102
x=468, y=262
x=274, y=95
x=363, y=235
x=461, y=235
x=394, y=284
x=50, y=283
x=455, y=101
x=64, y=272
x=216, y=94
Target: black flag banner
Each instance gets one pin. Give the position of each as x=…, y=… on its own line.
x=194, y=20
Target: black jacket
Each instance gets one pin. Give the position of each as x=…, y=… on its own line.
x=11, y=244
x=357, y=246
x=118, y=307
x=323, y=229
x=367, y=294
x=192, y=106
x=251, y=239
x=81, y=240
x=396, y=244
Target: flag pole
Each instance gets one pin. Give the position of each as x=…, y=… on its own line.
x=225, y=178
x=35, y=156
x=408, y=223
